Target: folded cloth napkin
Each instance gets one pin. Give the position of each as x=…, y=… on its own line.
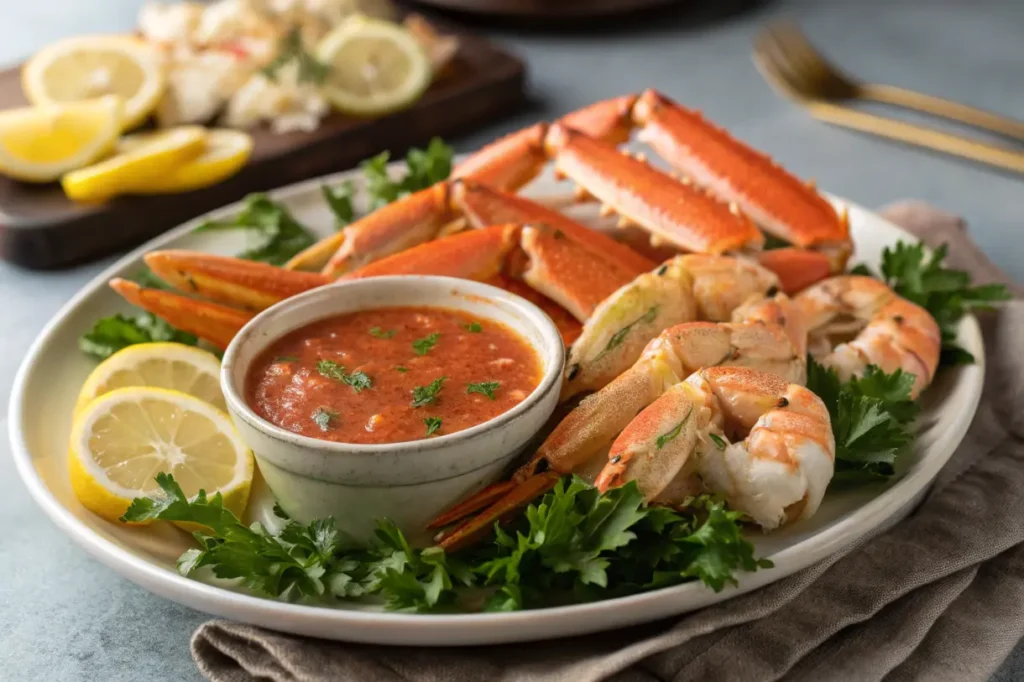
x=938, y=596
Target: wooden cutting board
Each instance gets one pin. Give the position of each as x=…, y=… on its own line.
x=41, y=229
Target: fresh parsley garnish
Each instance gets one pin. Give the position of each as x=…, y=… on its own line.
x=339, y=200
x=674, y=432
x=324, y=418
x=424, y=395
x=358, y=380
x=291, y=49
x=305, y=562
x=378, y=333
x=111, y=334
x=424, y=167
x=433, y=424
x=473, y=327
x=574, y=543
x=400, y=369
x=486, y=388
x=286, y=358
x=620, y=336
x=871, y=419
x=423, y=346
x=279, y=235
x=331, y=370
x=944, y=292
x=717, y=440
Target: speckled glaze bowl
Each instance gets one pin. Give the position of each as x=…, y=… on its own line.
x=408, y=482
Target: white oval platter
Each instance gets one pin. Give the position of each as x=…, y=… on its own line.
x=54, y=369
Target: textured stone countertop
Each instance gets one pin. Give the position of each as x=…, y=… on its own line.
x=66, y=617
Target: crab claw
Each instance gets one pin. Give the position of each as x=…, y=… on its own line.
x=214, y=323
x=797, y=269
x=237, y=282
x=471, y=530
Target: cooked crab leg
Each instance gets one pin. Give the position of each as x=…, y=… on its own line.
x=555, y=266
x=707, y=155
x=215, y=323
x=580, y=442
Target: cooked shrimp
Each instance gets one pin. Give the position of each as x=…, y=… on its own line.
x=856, y=321
x=683, y=289
x=679, y=445
x=760, y=337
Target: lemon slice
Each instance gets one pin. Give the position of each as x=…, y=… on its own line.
x=135, y=169
x=39, y=144
x=376, y=67
x=173, y=366
x=90, y=66
x=121, y=440
x=225, y=153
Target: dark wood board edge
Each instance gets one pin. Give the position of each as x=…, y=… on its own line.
x=492, y=85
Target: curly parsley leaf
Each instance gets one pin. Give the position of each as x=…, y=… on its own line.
x=433, y=424
x=378, y=333
x=871, y=419
x=324, y=418
x=473, y=327
x=425, y=395
x=423, y=168
x=279, y=236
x=944, y=292
x=111, y=334
x=573, y=543
x=486, y=388
x=339, y=200
x=423, y=346
x=358, y=380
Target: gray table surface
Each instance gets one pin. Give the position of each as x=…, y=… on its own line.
x=66, y=617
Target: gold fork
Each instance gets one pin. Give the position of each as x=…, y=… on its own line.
x=789, y=63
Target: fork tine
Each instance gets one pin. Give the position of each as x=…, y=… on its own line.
x=784, y=66
x=799, y=63
x=765, y=59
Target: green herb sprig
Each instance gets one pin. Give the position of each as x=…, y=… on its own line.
x=486, y=388
x=944, y=292
x=279, y=235
x=425, y=395
x=111, y=334
x=574, y=544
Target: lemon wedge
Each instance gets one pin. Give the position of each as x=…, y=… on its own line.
x=138, y=168
x=173, y=366
x=376, y=67
x=121, y=440
x=225, y=153
x=90, y=66
x=39, y=144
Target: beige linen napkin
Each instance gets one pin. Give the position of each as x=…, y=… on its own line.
x=939, y=596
